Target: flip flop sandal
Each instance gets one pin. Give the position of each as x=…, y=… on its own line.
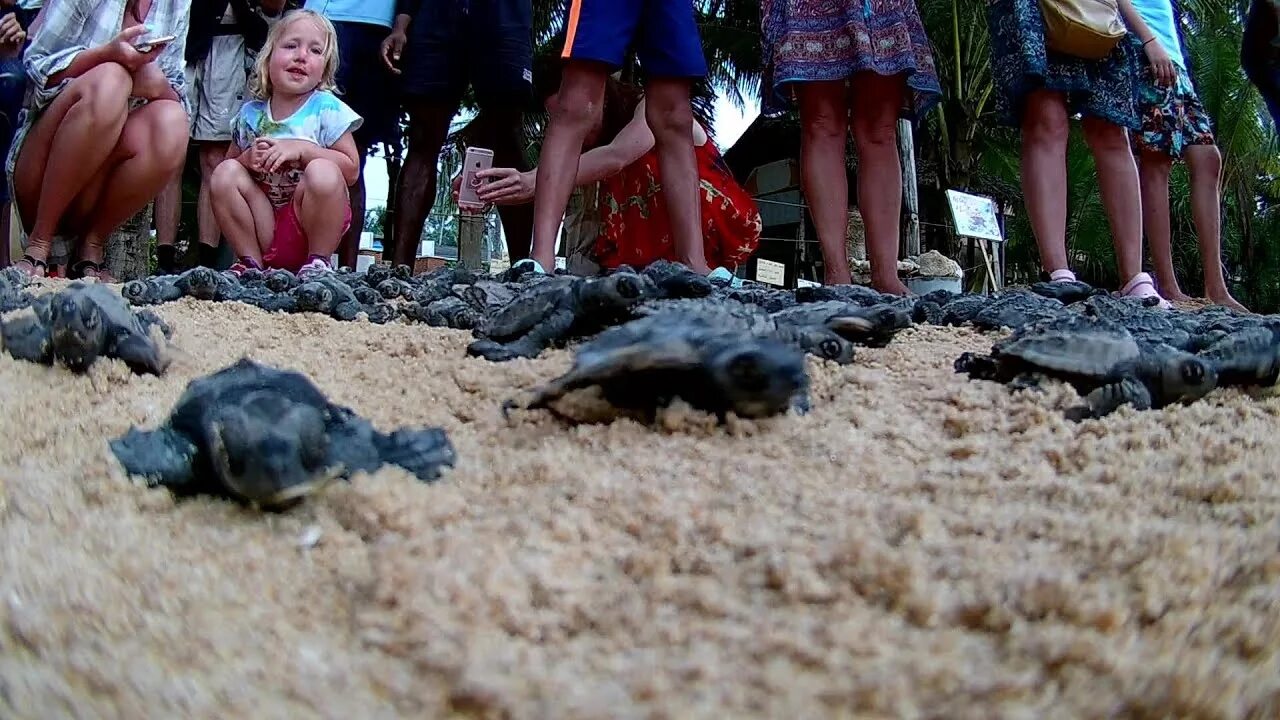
x=35, y=264
x=77, y=271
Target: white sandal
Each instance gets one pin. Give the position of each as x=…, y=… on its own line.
x=1142, y=287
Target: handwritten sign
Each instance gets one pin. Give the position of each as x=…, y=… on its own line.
x=974, y=216
x=771, y=272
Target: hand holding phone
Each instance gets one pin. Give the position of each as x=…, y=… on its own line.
x=475, y=160
x=149, y=44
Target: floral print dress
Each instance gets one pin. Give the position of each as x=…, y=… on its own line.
x=1021, y=64
x=635, y=228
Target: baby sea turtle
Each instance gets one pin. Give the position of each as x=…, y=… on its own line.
x=553, y=311
x=648, y=363
x=329, y=296
x=1247, y=357
x=873, y=326
x=13, y=293
x=1095, y=355
x=750, y=320
x=675, y=280
x=82, y=322
x=1066, y=291
x=152, y=291
x=269, y=437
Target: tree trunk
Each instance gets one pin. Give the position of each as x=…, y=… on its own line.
x=128, y=254
x=910, y=190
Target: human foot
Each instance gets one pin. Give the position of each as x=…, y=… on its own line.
x=833, y=276
x=32, y=267
x=90, y=269
x=1171, y=292
x=890, y=286
x=1223, y=298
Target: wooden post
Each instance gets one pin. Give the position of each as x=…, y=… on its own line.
x=128, y=251
x=910, y=190
x=470, y=240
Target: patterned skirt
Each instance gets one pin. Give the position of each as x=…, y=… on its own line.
x=822, y=40
x=1020, y=65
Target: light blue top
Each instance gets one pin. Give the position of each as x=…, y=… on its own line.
x=1158, y=15
x=374, y=12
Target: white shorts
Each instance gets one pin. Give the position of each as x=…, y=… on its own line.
x=217, y=87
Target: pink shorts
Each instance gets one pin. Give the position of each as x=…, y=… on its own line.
x=290, y=249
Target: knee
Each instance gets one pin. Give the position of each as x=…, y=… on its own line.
x=1106, y=138
x=227, y=178
x=167, y=129
x=825, y=125
x=1205, y=161
x=1045, y=128
x=106, y=88
x=670, y=118
x=578, y=108
x=324, y=177
x=876, y=136
x=1155, y=165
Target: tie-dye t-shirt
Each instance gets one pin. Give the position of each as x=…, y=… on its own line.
x=323, y=119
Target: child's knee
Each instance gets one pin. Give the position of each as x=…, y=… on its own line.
x=227, y=177
x=324, y=178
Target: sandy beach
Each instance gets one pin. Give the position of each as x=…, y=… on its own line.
x=919, y=545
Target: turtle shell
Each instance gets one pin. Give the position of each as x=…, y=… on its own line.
x=1072, y=345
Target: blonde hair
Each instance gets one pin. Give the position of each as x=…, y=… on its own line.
x=260, y=82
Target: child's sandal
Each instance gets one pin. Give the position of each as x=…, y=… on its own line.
x=78, y=270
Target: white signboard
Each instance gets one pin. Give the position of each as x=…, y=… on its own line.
x=974, y=216
x=771, y=272
x=801, y=282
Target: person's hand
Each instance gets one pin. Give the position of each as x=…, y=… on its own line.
x=1161, y=65
x=11, y=32
x=506, y=186
x=122, y=50
x=280, y=155
x=392, y=47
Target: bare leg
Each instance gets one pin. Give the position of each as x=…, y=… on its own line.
x=243, y=211
x=1153, y=170
x=1044, y=174
x=670, y=117
x=349, y=248
x=1205, y=164
x=169, y=211
x=5, y=211
x=66, y=148
x=211, y=155
x=501, y=130
x=877, y=99
x=321, y=204
x=578, y=110
x=824, y=119
x=151, y=149
x=1118, y=183
x=416, y=191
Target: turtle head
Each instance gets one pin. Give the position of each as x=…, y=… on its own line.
x=1185, y=378
x=279, y=280
x=618, y=291
x=79, y=330
x=135, y=291
x=314, y=296
x=202, y=283
x=826, y=345
x=269, y=449
x=758, y=379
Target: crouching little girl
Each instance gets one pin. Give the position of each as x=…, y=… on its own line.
x=281, y=197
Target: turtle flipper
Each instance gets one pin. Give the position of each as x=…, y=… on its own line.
x=140, y=353
x=422, y=452
x=491, y=351
x=1108, y=398
x=347, y=311
x=26, y=338
x=162, y=457
x=148, y=318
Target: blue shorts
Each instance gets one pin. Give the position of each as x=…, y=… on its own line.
x=365, y=83
x=664, y=34
x=486, y=44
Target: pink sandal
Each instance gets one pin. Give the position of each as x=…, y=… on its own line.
x=1142, y=287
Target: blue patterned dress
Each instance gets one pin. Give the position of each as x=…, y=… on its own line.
x=817, y=40
x=1020, y=65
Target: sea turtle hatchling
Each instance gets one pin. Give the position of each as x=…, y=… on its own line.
x=647, y=363
x=82, y=322
x=269, y=437
x=1100, y=359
